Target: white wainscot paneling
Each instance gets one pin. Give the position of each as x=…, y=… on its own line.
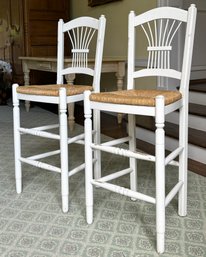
x=199, y=53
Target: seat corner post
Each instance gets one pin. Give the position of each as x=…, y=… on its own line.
x=88, y=158
x=64, y=149
x=132, y=147
x=160, y=171
x=183, y=160
x=17, y=139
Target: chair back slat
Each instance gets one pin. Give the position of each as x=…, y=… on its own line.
x=160, y=27
x=160, y=42
x=80, y=40
x=85, y=35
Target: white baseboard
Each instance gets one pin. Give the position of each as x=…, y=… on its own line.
x=195, y=122
x=194, y=152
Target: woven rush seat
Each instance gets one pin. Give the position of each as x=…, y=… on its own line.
x=136, y=97
x=52, y=90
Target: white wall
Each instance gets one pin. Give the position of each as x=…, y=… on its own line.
x=117, y=21
x=116, y=37
x=116, y=32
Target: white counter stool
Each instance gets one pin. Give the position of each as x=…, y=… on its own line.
x=160, y=26
x=81, y=32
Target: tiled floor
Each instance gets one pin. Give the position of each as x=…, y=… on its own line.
x=33, y=225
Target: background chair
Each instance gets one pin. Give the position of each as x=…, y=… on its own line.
x=160, y=26
x=82, y=31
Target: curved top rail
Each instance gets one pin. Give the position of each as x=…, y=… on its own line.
x=161, y=13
